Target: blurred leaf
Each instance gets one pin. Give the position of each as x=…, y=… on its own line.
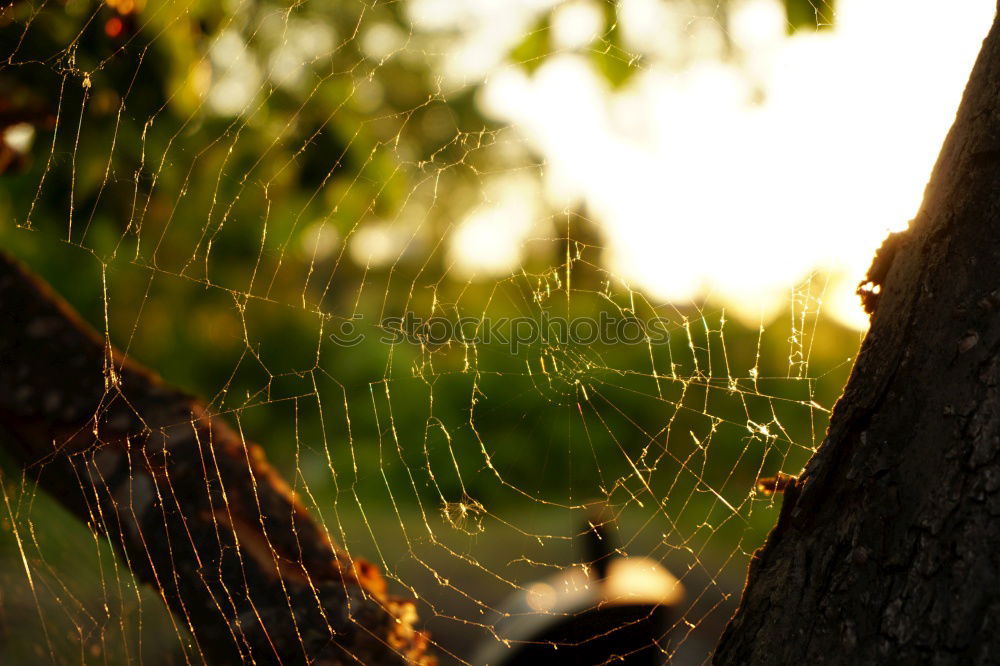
x=809, y=14
x=612, y=61
x=536, y=45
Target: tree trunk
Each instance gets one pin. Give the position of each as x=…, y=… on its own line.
x=193, y=509
x=887, y=548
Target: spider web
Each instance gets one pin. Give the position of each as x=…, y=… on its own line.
x=269, y=220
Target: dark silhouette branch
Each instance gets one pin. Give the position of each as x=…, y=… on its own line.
x=193, y=508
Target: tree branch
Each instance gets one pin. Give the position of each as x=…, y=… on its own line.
x=193, y=509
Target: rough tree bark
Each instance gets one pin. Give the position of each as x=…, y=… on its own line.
x=193, y=509
x=887, y=549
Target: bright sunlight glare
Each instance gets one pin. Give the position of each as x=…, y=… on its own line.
x=800, y=154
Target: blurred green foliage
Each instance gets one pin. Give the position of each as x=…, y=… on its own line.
x=809, y=14
x=195, y=234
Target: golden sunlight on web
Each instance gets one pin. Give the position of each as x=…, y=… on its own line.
x=800, y=154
